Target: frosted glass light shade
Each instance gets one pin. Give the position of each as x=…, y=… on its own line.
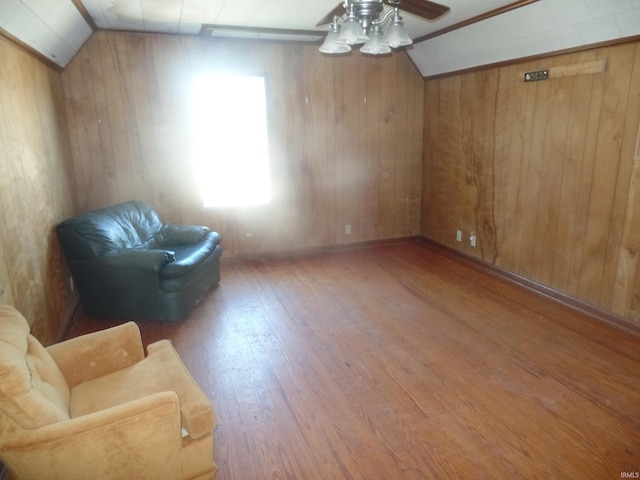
x=395, y=35
x=331, y=46
x=375, y=46
x=352, y=32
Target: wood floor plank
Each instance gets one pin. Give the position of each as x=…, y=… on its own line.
x=402, y=361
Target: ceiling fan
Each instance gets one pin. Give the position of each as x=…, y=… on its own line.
x=421, y=8
x=362, y=23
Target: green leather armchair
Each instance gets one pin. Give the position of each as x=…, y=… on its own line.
x=127, y=264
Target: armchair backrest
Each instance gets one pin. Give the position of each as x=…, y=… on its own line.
x=92, y=234
x=33, y=391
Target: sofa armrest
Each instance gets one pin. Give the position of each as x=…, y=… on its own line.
x=171, y=234
x=153, y=259
x=140, y=439
x=96, y=354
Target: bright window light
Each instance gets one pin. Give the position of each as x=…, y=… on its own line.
x=230, y=156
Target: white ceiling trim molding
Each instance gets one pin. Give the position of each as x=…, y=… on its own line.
x=478, y=18
x=85, y=14
x=15, y=41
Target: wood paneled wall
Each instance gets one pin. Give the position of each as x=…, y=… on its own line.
x=547, y=173
x=345, y=137
x=35, y=192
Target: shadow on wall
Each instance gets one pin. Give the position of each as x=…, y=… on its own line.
x=61, y=299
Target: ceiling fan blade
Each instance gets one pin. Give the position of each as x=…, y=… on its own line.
x=422, y=8
x=338, y=11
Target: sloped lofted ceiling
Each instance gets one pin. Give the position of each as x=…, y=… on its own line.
x=53, y=28
x=472, y=34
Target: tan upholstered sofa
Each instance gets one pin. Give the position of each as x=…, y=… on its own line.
x=94, y=407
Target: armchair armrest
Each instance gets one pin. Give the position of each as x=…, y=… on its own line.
x=146, y=429
x=171, y=234
x=153, y=259
x=96, y=354
x=198, y=418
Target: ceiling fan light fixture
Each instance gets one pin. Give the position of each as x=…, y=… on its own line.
x=395, y=35
x=352, y=31
x=375, y=44
x=364, y=22
x=331, y=44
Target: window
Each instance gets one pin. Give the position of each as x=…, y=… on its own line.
x=230, y=150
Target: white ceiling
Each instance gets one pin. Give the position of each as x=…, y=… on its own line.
x=54, y=28
x=57, y=29
x=542, y=27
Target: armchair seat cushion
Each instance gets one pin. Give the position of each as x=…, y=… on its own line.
x=162, y=370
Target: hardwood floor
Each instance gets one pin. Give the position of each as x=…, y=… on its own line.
x=401, y=362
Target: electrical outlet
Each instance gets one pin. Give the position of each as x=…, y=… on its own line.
x=472, y=239
x=347, y=229
x=458, y=235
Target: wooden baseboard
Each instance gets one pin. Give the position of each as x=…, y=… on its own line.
x=560, y=297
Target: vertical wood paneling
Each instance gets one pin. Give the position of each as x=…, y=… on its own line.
x=372, y=152
x=626, y=116
x=558, y=156
x=401, y=188
x=415, y=116
x=364, y=230
x=89, y=132
x=553, y=148
x=588, y=162
x=318, y=115
x=478, y=144
x=440, y=206
x=601, y=215
x=334, y=159
x=386, y=118
x=350, y=174
x=35, y=193
x=521, y=126
x=346, y=105
x=626, y=286
x=581, y=92
x=502, y=149
x=534, y=156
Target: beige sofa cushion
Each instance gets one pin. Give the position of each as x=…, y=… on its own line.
x=33, y=391
x=162, y=370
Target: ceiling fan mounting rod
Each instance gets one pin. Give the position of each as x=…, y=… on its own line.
x=366, y=11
